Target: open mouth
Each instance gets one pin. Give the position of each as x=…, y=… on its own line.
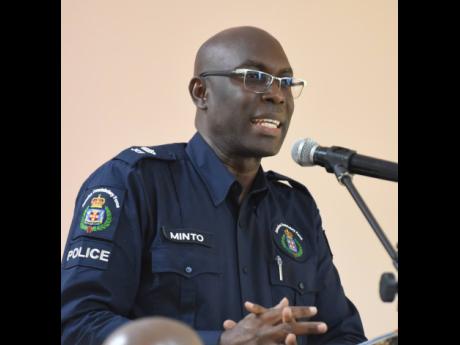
x=268, y=123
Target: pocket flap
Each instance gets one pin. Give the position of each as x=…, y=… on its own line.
x=300, y=276
x=189, y=262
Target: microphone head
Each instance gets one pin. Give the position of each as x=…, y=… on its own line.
x=302, y=152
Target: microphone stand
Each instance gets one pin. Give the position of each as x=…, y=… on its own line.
x=388, y=283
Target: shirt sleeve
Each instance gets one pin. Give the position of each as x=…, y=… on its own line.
x=101, y=265
x=334, y=308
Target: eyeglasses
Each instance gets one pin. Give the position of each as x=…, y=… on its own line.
x=260, y=82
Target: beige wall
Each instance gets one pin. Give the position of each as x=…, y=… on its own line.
x=125, y=70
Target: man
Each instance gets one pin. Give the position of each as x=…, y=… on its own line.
x=199, y=232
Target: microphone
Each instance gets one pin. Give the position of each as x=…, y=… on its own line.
x=307, y=152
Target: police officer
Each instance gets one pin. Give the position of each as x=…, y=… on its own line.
x=199, y=232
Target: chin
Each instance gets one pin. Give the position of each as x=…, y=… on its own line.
x=266, y=152
x=270, y=154
x=261, y=147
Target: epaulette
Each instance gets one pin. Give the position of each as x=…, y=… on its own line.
x=274, y=176
x=167, y=152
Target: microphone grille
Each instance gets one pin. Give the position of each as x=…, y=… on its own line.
x=302, y=152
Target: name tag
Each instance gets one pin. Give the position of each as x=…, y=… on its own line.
x=188, y=235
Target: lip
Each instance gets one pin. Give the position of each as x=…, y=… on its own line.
x=268, y=116
x=266, y=131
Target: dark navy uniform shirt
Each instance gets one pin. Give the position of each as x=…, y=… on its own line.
x=158, y=231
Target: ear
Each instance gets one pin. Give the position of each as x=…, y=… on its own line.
x=197, y=89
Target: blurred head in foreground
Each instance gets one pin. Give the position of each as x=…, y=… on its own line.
x=154, y=331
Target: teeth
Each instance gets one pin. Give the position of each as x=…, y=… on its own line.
x=267, y=123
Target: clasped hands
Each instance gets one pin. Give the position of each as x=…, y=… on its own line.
x=278, y=325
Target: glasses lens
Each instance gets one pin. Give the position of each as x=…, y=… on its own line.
x=257, y=81
x=297, y=87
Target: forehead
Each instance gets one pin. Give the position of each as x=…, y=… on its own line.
x=264, y=53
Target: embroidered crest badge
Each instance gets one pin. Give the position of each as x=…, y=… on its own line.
x=291, y=244
x=96, y=217
x=289, y=241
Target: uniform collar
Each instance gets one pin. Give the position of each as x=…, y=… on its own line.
x=214, y=173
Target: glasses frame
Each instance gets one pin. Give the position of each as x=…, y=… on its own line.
x=242, y=72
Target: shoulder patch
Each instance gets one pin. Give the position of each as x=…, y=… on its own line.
x=88, y=253
x=98, y=213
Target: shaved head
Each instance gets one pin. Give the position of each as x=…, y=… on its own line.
x=224, y=48
x=154, y=330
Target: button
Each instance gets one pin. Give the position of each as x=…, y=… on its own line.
x=188, y=269
x=301, y=286
x=245, y=269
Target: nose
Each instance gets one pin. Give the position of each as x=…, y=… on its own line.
x=274, y=94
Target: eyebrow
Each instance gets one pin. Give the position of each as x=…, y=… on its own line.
x=262, y=67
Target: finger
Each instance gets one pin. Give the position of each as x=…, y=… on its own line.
x=254, y=308
x=229, y=324
x=297, y=328
x=300, y=328
x=300, y=312
x=291, y=339
x=283, y=303
x=286, y=315
x=273, y=316
x=258, y=309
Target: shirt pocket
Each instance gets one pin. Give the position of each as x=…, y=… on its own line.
x=294, y=280
x=183, y=275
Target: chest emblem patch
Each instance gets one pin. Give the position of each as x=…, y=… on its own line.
x=289, y=241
